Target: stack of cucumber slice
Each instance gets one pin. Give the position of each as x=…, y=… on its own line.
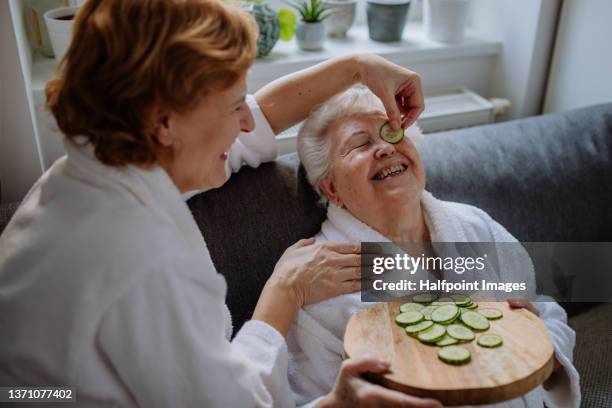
x=447, y=321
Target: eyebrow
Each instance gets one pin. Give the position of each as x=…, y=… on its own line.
x=240, y=100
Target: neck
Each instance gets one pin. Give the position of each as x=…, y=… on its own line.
x=402, y=222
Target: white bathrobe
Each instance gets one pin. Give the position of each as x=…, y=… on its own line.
x=315, y=340
x=106, y=285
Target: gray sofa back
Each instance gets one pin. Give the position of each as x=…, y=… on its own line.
x=545, y=179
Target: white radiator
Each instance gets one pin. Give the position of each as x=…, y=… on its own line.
x=444, y=110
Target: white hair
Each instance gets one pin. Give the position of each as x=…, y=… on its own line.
x=312, y=141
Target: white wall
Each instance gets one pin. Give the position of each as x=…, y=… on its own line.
x=527, y=29
x=19, y=161
x=581, y=72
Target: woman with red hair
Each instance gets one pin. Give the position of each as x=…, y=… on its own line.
x=106, y=283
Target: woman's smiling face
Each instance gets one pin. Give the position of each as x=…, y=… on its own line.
x=366, y=173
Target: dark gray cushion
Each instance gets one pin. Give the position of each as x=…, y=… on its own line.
x=546, y=179
x=592, y=355
x=6, y=212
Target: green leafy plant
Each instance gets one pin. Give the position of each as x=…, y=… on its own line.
x=312, y=11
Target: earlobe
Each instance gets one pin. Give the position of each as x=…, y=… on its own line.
x=329, y=190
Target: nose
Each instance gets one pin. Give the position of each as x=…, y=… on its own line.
x=247, y=123
x=384, y=149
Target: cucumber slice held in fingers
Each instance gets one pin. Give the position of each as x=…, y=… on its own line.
x=389, y=135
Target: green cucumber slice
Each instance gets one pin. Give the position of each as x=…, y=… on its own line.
x=489, y=340
x=433, y=334
x=427, y=311
x=419, y=327
x=460, y=332
x=389, y=135
x=411, y=307
x=424, y=298
x=444, y=301
x=475, y=320
x=408, y=318
x=472, y=306
x=491, y=314
x=445, y=313
x=461, y=300
x=446, y=341
x=455, y=355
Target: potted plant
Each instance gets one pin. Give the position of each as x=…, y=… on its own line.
x=342, y=18
x=310, y=30
x=272, y=25
x=445, y=20
x=386, y=19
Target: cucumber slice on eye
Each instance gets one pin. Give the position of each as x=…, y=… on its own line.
x=411, y=307
x=489, y=340
x=460, y=332
x=455, y=355
x=475, y=320
x=445, y=314
x=447, y=341
x=419, y=327
x=408, y=318
x=491, y=314
x=432, y=335
x=424, y=298
x=389, y=135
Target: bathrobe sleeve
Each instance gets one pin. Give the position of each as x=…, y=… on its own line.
x=164, y=339
x=562, y=389
x=256, y=147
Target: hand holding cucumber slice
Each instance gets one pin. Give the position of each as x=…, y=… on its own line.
x=389, y=135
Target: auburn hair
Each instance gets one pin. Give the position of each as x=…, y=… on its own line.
x=129, y=56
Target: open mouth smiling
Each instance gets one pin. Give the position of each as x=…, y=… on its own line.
x=390, y=171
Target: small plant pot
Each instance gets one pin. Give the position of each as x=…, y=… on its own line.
x=342, y=18
x=386, y=19
x=445, y=20
x=310, y=36
x=59, y=23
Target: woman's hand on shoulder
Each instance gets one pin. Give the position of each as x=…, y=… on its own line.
x=316, y=272
x=351, y=390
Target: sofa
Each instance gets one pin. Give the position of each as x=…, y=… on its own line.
x=546, y=178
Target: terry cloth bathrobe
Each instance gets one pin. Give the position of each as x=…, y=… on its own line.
x=315, y=339
x=106, y=285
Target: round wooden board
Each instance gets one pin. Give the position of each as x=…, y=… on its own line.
x=524, y=361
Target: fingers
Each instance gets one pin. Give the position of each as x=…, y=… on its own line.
x=367, y=363
x=303, y=242
x=350, y=286
x=392, y=110
x=523, y=304
x=343, y=247
x=410, y=101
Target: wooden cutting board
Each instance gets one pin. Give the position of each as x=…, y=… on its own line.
x=522, y=362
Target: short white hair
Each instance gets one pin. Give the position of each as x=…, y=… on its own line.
x=312, y=141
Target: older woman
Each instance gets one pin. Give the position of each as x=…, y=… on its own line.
x=374, y=192
x=106, y=284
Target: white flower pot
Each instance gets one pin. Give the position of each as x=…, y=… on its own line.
x=445, y=20
x=342, y=17
x=59, y=25
x=310, y=36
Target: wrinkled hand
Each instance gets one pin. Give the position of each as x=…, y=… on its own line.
x=351, y=390
x=398, y=88
x=316, y=272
